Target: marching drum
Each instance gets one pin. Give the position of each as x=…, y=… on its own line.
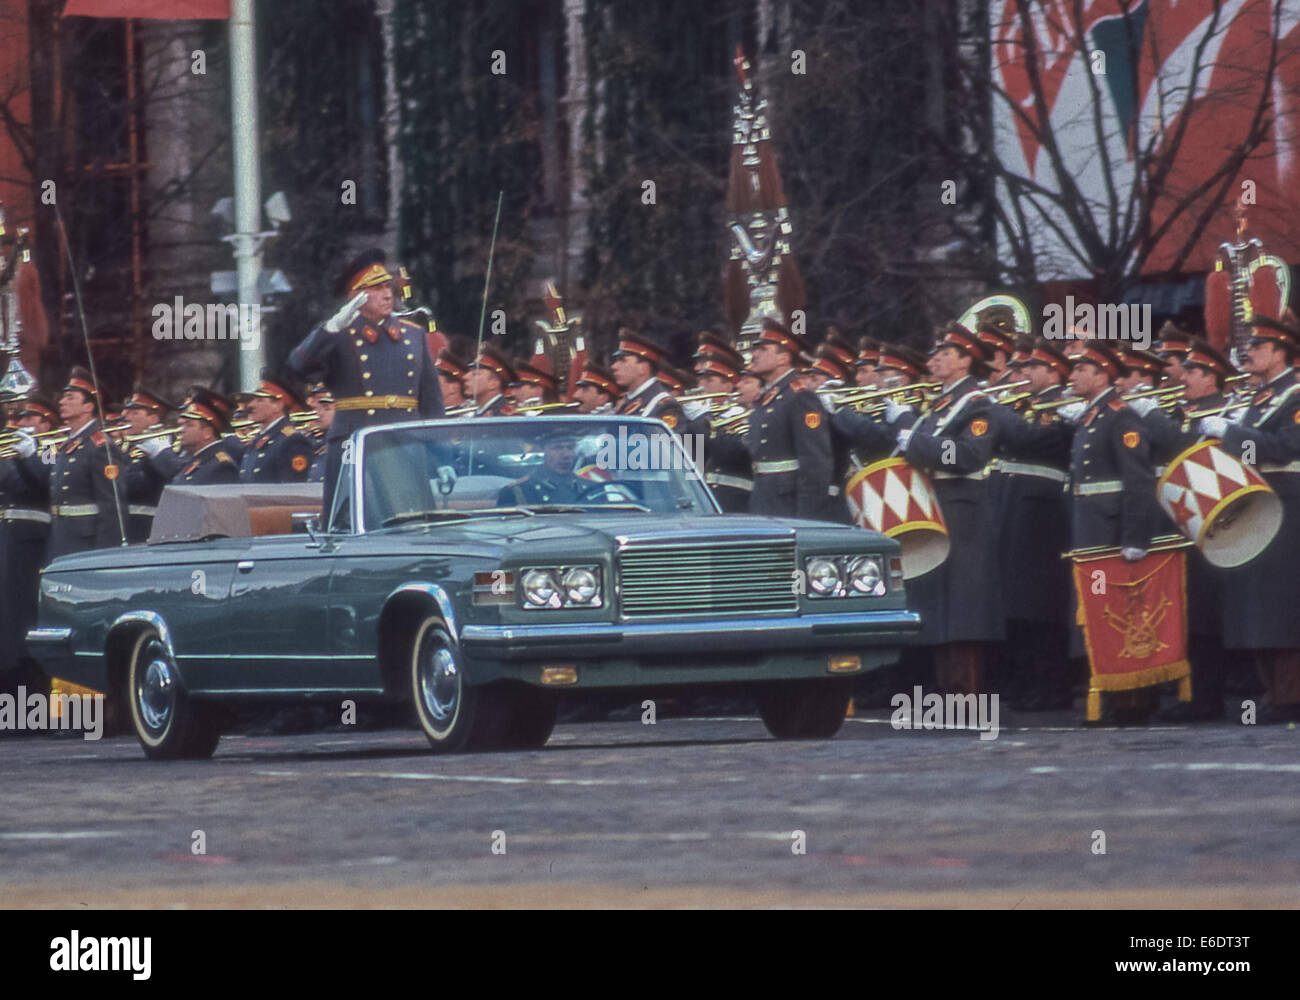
x=1221, y=504
x=897, y=501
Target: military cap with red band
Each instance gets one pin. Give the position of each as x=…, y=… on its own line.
x=632, y=343
x=774, y=332
x=1145, y=362
x=320, y=392
x=526, y=374
x=837, y=347
x=902, y=358
x=273, y=387
x=449, y=365
x=675, y=379
x=494, y=361
x=1102, y=355
x=1280, y=331
x=144, y=399
x=956, y=335
x=39, y=406
x=868, y=353
x=211, y=407
x=81, y=380
x=996, y=339
x=1173, y=340
x=716, y=357
x=829, y=363
x=598, y=378
x=1200, y=354
x=1044, y=352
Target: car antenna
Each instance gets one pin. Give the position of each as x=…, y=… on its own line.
x=482, y=315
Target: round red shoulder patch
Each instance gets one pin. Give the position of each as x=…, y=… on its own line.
x=1297, y=416
x=110, y=472
x=979, y=427
x=813, y=420
x=299, y=463
x=671, y=420
x=1131, y=439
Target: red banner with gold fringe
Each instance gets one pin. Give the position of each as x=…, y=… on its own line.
x=1134, y=621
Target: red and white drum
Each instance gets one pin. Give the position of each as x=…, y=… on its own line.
x=898, y=501
x=1221, y=504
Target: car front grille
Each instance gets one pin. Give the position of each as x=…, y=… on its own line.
x=708, y=578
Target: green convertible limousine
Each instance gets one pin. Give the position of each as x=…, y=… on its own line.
x=559, y=554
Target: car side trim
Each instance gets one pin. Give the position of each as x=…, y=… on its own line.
x=49, y=634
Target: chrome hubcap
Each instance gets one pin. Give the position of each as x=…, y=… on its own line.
x=157, y=690
x=440, y=685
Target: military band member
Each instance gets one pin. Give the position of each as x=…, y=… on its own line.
x=960, y=601
x=635, y=364
x=280, y=452
x=864, y=365
x=489, y=377
x=828, y=372
x=203, y=421
x=532, y=386
x=24, y=533
x=789, y=441
x=144, y=411
x=86, y=488
x=1260, y=599
x=1112, y=483
x=595, y=390
x=1146, y=371
x=873, y=436
x=321, y=400
x=726, y=459
x=451, y=373
x=1000, y=344
x=554, y=481
x=376, y=365
x=1033, y=454
x=1172, y=346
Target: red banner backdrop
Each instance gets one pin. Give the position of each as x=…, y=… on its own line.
x=1134, y=621
x=163, y=10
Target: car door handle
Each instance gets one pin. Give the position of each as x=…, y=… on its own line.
x=245, y=566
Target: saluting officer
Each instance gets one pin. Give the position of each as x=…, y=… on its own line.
x=1112, y=482
x=145, y=480
x=1260, y=599
x=788, y=440
x=726, y=459
x=960, y=601
x=280, y=453
x=203, y=420
x=87, y=499
x=376, y=365
x=635, y=365
x=489, y=377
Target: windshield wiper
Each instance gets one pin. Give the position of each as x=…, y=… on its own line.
x=449, y=515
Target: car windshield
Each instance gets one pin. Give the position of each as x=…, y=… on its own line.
x=440, y=470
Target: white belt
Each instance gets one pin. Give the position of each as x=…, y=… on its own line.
x=735, y=482
x=1099, y=488
x=977, y=476
x=785, y=465
x=18, y=514
x=833, y=491
x=1292, y=466
x=75, y=509
x=1029, y=469
x=141, y=510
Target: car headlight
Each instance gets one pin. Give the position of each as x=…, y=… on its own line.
x=846, y=576
x=561, y=587
x=824, y=577
x=540, y=590
x=581, y=585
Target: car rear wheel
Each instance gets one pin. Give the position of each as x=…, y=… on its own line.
x=167, y=722
x=454, y=714
x=803, y=710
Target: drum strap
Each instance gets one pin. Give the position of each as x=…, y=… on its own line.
x=946, y=419
x=1275, y=403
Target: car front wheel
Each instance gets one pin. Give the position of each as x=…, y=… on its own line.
x=167, y=722
x=804, y=710
x=454, y=714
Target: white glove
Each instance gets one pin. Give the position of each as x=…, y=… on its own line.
x=904, y=436
x=1071, y=411
x=1214, y=427
x=344, y=317
x=446, y=479
x=827, y=401
x=1134, y=555
x=895, y=410
x=25, y=446
x=1142, y=406
x=152, y=446
x=695, y=408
